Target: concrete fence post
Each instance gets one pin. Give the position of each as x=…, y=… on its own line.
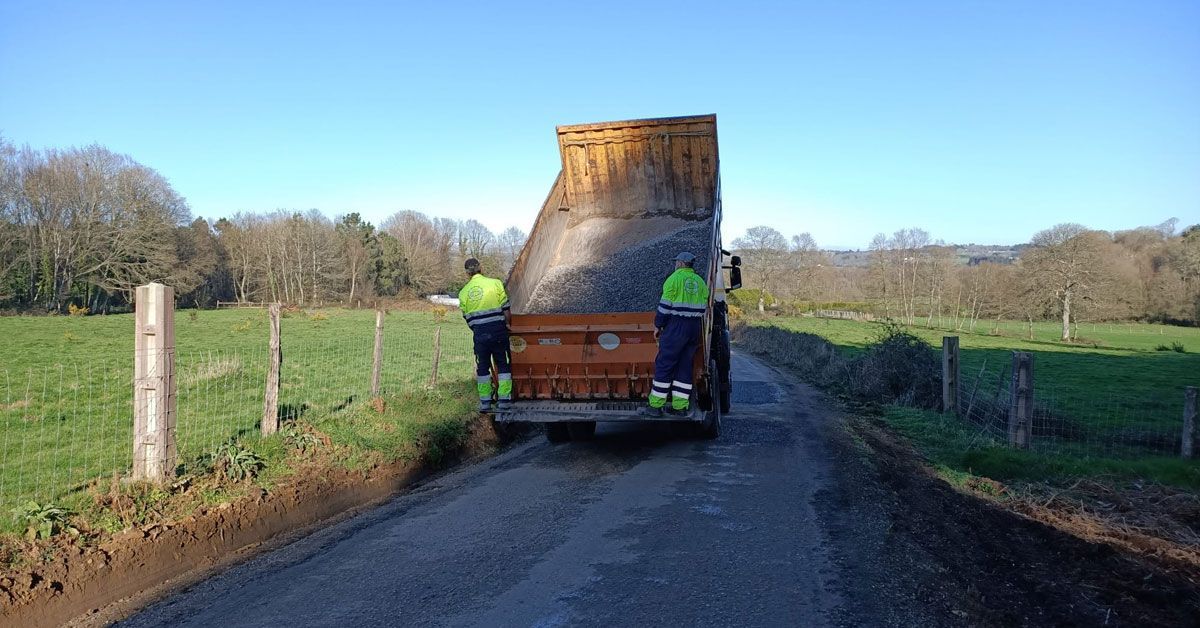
x=1020, y=410
x=377, y=364
x=1188, y=444
x=270, y=415
x=154, y=400
x=950, y=374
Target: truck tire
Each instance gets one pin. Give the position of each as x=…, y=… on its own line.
x=582, y=430
x=557, y=433
x=711, y=427
x=724, y=364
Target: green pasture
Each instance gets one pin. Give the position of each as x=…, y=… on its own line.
x=66, y=399
x=1113, y=366
x=1110, y=404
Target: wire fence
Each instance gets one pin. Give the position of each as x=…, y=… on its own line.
x=67, y=425
x=1090, y=422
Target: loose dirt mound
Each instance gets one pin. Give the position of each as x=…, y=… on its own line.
x=79, y=580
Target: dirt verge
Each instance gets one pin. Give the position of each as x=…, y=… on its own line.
x=974, y=559
x=79, y=581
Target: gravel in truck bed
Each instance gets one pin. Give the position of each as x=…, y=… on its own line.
x=627, y=279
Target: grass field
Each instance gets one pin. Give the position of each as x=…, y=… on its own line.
x=1117, y=368
x=1116, y=402
x=66, y=385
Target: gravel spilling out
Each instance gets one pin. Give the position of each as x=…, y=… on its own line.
x=626, y=279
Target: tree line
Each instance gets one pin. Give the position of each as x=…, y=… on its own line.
x=1068, y=273
x=83, y=227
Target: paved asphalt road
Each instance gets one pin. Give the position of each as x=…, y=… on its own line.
x=633, y=529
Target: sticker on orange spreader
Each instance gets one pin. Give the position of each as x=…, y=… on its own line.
x=517, y=344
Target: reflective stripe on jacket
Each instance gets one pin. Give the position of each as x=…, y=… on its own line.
x=684, y=295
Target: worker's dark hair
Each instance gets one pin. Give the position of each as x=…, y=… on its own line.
x=471, y=265
x=691, y=264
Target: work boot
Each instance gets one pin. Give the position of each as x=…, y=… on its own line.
x=651, y=412
x=504, y=405
x=677, y=412
x=485, y=406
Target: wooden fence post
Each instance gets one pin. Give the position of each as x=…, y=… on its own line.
x=154, y=383
x=377, y=366
x=1189, y=423
x=270, y=415
x=1020, y=410
x=437, y=356
x=950, y=374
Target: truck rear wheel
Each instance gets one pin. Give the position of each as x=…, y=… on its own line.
x=582, y=430
x=557, y=433
x=711, y=427
x=724, y=362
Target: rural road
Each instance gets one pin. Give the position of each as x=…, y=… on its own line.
x=634, y=528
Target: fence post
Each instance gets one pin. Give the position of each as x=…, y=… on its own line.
x=1020, y=410
x=377, y=366
x=437, y=356
x=950, y=374
x=154, y=383
x=1189, y=423
x=270, y=415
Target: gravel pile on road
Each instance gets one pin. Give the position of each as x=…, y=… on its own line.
x=628, y=279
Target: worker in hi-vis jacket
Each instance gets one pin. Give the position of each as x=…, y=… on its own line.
x=677, y=326
x=484, y=304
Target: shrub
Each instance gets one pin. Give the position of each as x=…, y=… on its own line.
x=299, y=438
x=234, y=461
x=897, y=367
x=1177, y=347
x=76, y=311
x=43, y=521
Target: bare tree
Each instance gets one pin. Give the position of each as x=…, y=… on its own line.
x=807, y=263
x=425, y=246
x=766, y=252
x=94, y=220
x=511, y=241
x=1066, y=261
x=474, y=239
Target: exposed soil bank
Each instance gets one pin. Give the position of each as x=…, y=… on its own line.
x=975, y=561
x=80, y=581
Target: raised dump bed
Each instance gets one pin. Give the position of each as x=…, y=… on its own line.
x=630, y=196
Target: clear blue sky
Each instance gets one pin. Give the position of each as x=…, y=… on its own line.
x=978, y=121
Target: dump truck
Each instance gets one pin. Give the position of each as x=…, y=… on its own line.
x=583, y=290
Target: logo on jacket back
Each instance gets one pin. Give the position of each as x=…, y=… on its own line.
x=474, y=294
x=691, y=286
